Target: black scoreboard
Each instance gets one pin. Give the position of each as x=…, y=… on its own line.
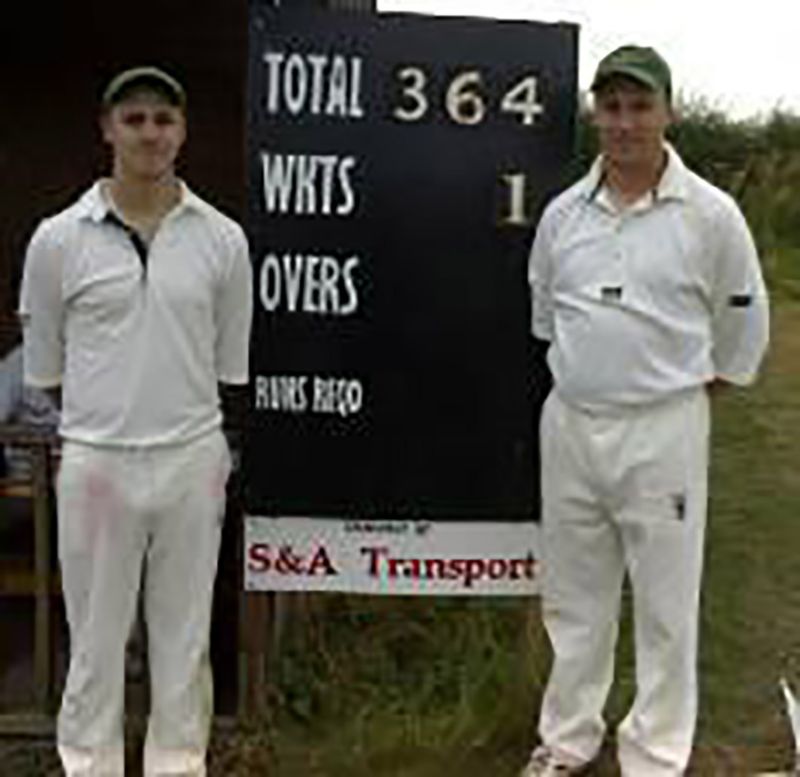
x=397, y=167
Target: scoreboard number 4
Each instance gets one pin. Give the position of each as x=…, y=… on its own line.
x=464, y=101
x=521, y=99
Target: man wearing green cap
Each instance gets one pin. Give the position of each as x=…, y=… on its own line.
x=646, y=283
x=136, y=301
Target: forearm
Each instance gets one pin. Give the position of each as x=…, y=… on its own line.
x=233, y=403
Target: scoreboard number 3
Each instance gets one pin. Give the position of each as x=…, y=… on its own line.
x=464, y=100
x=414, y=82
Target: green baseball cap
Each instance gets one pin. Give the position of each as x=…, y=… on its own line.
x=640, y=63
x=147, y=76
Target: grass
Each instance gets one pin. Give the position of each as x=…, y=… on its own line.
x=752, y=600
x=419, y=686
x=423, y=688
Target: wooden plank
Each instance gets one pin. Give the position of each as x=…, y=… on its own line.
x=18, y=578
x=34, y=724
x=26, y=435
x=254, y=626
x=27, y=724
x=43, y=664
x=352, y=5
x=16, y=489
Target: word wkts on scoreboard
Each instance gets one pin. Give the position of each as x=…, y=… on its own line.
x=397, y=166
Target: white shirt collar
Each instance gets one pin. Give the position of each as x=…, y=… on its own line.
x=672, y=184
x=95, y=206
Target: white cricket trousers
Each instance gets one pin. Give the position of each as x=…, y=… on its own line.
x=121, y=510
x=623, y=491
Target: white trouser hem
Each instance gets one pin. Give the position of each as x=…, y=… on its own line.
x=95, y=762
x=174, y=763
x=636, y=760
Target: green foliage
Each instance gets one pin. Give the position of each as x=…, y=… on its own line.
x=714, y=146
x=756, y=160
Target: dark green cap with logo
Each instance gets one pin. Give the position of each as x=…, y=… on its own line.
x=144, y=77
x=639, y=63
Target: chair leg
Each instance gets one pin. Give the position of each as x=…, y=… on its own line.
x=43, y=669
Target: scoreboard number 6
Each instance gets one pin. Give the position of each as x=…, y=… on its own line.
x=464, y=100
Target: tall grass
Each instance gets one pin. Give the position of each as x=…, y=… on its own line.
x=429, y=684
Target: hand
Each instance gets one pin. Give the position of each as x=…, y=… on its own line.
x=714, y=387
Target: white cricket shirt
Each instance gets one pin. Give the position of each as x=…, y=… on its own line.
x=138, y=350
x=659, y=297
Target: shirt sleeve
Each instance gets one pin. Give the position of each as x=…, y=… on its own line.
x=740, y=305
x=41, y=310
x=10, y=385
x=540, y=279
x=234, y=309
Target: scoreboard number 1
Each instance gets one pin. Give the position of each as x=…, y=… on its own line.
x=516, y=215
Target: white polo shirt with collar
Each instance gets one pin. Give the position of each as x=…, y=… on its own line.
x=648, y=300
x=138, y=343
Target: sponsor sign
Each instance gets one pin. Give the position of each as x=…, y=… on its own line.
x=391, y=557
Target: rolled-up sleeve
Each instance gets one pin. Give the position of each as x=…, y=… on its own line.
x=539, y=278
x=740, y=303
x=234, y=310
x=41, y=310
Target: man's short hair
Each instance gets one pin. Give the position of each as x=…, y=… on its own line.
x=148, y=77
x=641, y=64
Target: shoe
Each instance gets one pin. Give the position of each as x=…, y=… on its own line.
x=544, y=763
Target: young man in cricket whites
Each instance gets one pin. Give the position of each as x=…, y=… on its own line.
x=646, y=283
x=136, y=306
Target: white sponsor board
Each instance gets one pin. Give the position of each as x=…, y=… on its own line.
x=391, y=557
